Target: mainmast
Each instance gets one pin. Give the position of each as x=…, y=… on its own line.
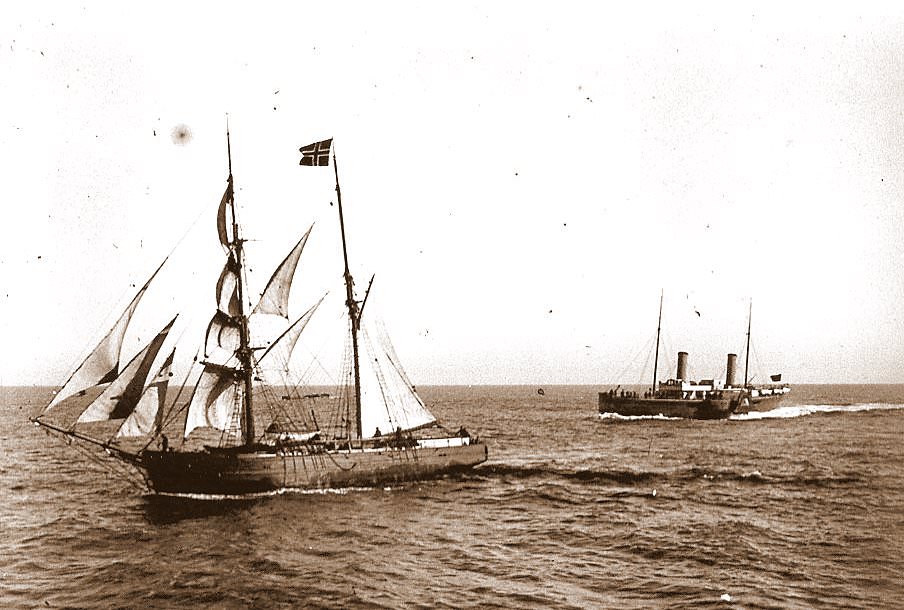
x=747, y=356
x=244, y=351
x=658, y=329
x=354, y=313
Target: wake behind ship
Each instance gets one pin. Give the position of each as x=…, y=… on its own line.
x=238, y=434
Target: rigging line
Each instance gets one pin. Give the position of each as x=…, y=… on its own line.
x=341, y=388
x=314, y=355
x=146, y=385
x=381, y=380
x=389, y=350
x=646, y=348
x=171, y=413
x=294, y=388
x=109, y=466
x=643, y=374
x=165, y=259
x=756, y=357
x=275, y=406
x=337, y=464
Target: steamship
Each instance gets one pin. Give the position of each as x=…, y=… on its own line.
x=704, y=399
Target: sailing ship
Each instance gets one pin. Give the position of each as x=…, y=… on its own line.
x=239, y=433
x=705, y=399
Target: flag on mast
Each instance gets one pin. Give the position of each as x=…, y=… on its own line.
x=316, y=154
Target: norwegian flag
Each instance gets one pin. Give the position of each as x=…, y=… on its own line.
x=316, y=154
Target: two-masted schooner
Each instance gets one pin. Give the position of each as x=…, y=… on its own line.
x=386, y=434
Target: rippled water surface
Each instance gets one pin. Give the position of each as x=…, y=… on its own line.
x=802, y=507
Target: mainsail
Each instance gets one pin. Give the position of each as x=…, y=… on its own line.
x=102, y=364
x=388, y=402
x=121, y=397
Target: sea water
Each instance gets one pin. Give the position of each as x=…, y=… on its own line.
x=802, y=507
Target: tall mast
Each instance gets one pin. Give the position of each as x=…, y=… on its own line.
x=658, y=329
x=747, y=356
x=354, y=314
x=244, y=351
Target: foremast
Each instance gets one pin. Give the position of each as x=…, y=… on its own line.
x=747, y=350
x=246, y=371
x=658, y=330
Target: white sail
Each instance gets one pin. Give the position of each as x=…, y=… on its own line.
x=121, y=397
x=388, y=402
x=147, y=414
x=280, y=351
x=102, y=364
x=275, y=298
x=223, y=223
x=217, y=400
x=227, y=288
x=223, y=339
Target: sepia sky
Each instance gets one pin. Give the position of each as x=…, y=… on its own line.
x=523, y=181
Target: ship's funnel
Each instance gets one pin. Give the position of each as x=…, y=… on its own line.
x=682, y=366
x=730, y=369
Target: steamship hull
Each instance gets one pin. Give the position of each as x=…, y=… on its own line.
x=236, y=472
x=762, y=402
x=665, y=407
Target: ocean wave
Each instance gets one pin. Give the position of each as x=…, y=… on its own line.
x=260, y=494
x=802, y=410
x=619, y=417
x=646, y=478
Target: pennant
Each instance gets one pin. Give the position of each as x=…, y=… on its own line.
x=316, y=154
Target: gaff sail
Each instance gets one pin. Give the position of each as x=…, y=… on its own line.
x=388, y=402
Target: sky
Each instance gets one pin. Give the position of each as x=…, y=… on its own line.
x=523, y=181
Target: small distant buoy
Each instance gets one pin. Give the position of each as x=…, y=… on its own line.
x=541, y=392
x=654, y=493
x=725, y=597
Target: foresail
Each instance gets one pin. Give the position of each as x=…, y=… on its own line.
x=146, y=417
x=275, y=298
x=388, y=402
x=121, y=397
x=102, y=364
x=216, y=401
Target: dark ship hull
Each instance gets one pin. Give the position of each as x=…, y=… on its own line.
x=761, y=402
x=706, y=408
x=229, y=472
x=707, y=399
